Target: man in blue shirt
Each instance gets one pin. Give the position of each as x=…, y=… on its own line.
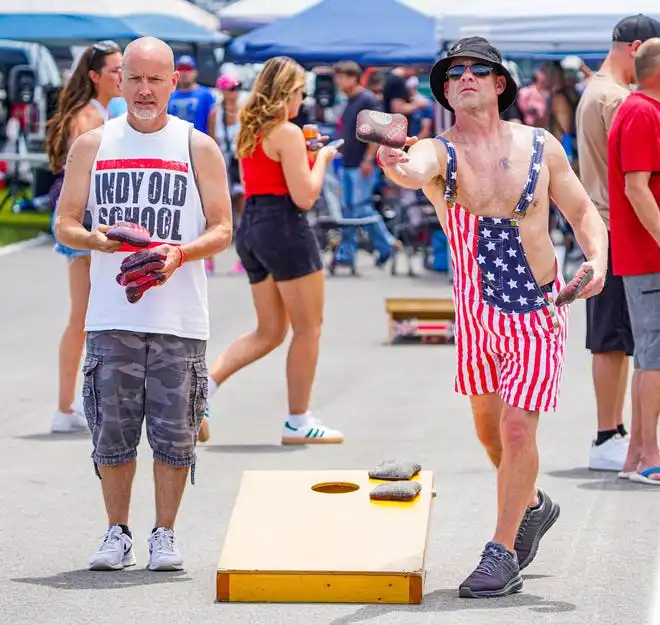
x=117, y=107
x=191, y=101
x=421, y=120
x=358, y=174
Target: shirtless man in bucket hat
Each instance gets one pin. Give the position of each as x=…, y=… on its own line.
x=510, y=333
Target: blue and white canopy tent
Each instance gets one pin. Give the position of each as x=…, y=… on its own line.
x=67, y=22
x=542, y=28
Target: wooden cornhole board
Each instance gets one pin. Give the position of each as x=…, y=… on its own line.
x=418, y=309
x=289, y=543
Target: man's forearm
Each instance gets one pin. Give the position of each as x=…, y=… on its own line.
x=413, y=170
x=591, y=234
x=70, y=232
x=216, y=239
x=646, y=209
x=406, y=176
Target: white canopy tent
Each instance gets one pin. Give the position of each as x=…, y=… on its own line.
x=528, y=26
x=251, y=14
x=247, y=15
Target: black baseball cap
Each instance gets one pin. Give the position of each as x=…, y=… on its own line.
x=636, y=28
x=473, y=48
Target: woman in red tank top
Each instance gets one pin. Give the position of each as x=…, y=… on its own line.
x=277, y=246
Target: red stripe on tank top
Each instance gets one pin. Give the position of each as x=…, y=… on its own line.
x=127, y=247
x=141, y=163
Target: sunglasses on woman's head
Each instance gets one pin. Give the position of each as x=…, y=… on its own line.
x=105, y=47
x=479, y=70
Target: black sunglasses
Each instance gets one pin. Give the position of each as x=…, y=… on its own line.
x=479, y=70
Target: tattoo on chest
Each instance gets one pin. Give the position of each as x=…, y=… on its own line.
x=505, y=163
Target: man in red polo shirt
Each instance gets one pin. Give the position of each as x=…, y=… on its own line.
x=634, y=186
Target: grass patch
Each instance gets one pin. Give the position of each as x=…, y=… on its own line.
x=17, y=227
x=16, y=235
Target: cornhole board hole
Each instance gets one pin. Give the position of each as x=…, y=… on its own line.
x=316, y=537
x=420, y=317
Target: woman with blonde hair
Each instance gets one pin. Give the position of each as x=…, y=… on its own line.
x=278, y=247
x=82, y=106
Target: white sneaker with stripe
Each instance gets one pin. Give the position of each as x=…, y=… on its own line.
x=115, y=552
x=164, y=554
x=311, y=432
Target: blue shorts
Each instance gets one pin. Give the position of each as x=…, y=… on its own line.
x=54, y=194
x=69, y=252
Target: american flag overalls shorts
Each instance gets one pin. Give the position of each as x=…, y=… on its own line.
x=510, y=337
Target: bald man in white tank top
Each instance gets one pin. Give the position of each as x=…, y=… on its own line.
x=147, y=360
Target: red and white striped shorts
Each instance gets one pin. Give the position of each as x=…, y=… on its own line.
x=518, y=356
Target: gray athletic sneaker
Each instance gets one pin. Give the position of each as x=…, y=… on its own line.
x=534, y=525
x=497, y=575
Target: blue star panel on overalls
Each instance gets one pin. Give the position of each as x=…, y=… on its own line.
x=507, y=282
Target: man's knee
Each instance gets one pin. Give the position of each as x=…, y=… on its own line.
x=174, y=414
x=518, y=428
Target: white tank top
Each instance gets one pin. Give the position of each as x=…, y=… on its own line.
x=226, y=136
x=147, y=179
x=102, y=111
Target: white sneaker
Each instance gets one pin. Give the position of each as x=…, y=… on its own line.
x=312, y=432
x=115, y=553
x=164, y=554
x=68, y=422
x=77, y=406
x=610, y=456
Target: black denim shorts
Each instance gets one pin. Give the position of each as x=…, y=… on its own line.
x=608, y=319
x=274, y=238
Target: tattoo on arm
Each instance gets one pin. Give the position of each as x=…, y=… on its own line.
x=505, y=163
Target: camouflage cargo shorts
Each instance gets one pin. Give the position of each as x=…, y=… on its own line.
x=132, y=377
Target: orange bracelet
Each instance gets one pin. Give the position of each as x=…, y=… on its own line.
x=182, y=257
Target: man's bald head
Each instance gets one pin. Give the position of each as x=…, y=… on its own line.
x=148, y=78
x=149, y=48
x=647, y=60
